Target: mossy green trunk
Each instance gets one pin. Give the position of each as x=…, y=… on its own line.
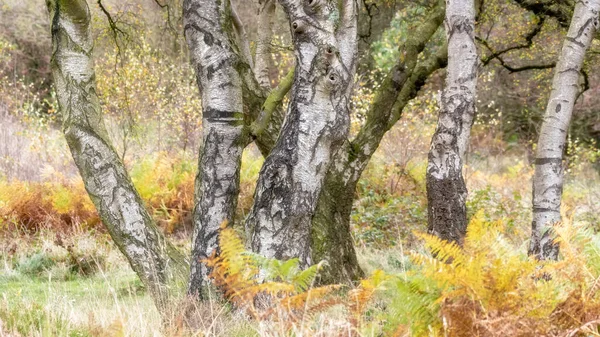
x=315, y=126
x=331, y=232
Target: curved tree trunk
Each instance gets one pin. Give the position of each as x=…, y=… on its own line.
x=548, y=177
x=316, y=124
x=446, y=189
x=216, y=62
x=158, y=264
x=332, y=240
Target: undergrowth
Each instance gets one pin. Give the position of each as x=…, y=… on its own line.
x=488, y=287
x=165, y=182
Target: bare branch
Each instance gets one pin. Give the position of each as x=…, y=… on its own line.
x=166, y=6
x=370, y=8
x=560, y=10
x=514, y=69
x=113, y=26
x=586, y=84
x=528, y=43
x=348, y=32
x=272, y=102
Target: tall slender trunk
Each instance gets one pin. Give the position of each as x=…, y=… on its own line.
x=315, y=126
x=446, y=189
x=158, y=264
x=209, y=33
x=548, y=177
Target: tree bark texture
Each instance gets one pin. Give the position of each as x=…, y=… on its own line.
x=209, y=33
x=158, y=264
x=446, y=189
x=316, y=124
x=331, y=235
x=266, y=17
x=548, y=177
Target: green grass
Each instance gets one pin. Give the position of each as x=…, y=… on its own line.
x=77, y=307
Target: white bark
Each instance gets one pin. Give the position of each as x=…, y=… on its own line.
x=461, y=80
x=548, y=178
x=212, y=47
x=119, y=205
x=446, y=189
x=316, y=124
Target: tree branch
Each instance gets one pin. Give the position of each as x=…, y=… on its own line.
x=242, y=36
x=169, y=23
x=510, y=68
x=528, y=43
x=266, y=15
x=347, y=33
x=384, y=110
x=272, y=102
x=586, y=83
x=113, y=26
x=560, y=10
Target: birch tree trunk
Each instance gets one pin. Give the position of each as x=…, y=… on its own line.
x=316, y=124
x=548, y=177
x=266, y=18
x=446, y=189
x=158, y=264
x=216, y=61
x=332, y=240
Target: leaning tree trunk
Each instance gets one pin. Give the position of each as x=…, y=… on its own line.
x=216, y=61
x=156, y=262
x=315, y=126
x=332, y=240
x=446, y=189
x=548, y=177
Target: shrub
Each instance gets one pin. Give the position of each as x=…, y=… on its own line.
x=31, y=206
x=267, y=288
x=35, y=264
x=490, y=287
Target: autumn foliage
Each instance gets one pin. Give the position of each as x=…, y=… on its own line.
x=488, y=287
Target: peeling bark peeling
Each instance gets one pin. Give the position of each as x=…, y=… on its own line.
x=548, y=177
x=217, y=62
x=156, y=262
x=315, y=126
x=446, y=189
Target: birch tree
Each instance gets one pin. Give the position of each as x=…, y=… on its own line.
x=216, y=61
x=446, y=189
x=331, y=235
x=157, y=263
x=549, y=169
x=305, y=190
x=317, y=122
